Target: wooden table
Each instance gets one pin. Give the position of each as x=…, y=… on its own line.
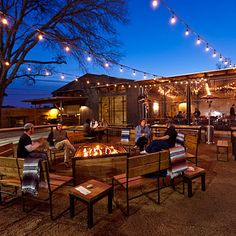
x=222, y=144
x=98, y=190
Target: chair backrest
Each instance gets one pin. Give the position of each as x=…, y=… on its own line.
x=177, y=159
x=191, y=144
x=7, y=150
x=180, y=139
x=146, y=164
x=11, y=167
x=125, y=135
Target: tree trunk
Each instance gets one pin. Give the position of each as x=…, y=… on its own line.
x=1, y=103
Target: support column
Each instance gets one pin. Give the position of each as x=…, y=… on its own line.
x=188, y=99
x=164, y=102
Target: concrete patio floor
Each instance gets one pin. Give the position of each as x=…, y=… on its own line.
x=212, y=212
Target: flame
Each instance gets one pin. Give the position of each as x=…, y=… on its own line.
x=98, y=150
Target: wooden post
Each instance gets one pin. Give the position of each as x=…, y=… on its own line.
x=188, y=99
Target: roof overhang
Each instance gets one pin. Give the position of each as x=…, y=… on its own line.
x=54, y=100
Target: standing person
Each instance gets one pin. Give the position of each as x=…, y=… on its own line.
x=142, y=134
x=93, y=123
x=27, y=148
x=197, y=113
x=61, y=142
x=165, y=142
x=232, y=112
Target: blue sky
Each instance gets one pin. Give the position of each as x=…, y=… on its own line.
x=151, y=44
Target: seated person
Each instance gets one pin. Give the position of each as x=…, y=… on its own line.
x=93, y=123
x=60, y=140
x=142, y=134
x=165, y=142
x=88, y=131
x=27, y=148
x=103, y=123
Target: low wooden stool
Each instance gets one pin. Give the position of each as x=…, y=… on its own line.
x=97, y=190
x=190, y=174
x=222, y=144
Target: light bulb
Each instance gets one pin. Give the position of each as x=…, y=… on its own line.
x=40, y=36
x=89, y=58
x=221, y=58
x=4, y=21
x=28, y=68
x=47, y=73
x=154, y=3
x=186, y=32
x=207, y=48
x=226, y=62
x=214, y=53
x=134, y=73
x=106, y=64
x=173, y=20
x=7, y=63
x=62, y=77
x=67, y=48
x=121, y=69
x=144, y=76
x=198, y=40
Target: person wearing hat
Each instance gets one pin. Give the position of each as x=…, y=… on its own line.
x=26, y=147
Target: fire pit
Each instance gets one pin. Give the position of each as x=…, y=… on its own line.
x=93, y=150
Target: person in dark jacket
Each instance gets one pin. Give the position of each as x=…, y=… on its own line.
x=165, y=142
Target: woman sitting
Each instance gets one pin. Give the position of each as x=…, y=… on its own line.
x=142, y=134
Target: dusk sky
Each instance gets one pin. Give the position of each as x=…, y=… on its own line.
x=153, y=45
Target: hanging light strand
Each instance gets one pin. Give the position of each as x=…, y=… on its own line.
x=189, y=29
x=68, y=47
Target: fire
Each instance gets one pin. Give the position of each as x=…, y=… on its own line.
x=89, y=150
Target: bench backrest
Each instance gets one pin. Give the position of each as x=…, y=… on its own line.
x=191, y=144
x=7, y=150
x=75, y=137
x=145, y=164
x=180, y=139
x=125, y=135
x=11, y=167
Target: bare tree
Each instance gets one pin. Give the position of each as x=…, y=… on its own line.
x=85, y=26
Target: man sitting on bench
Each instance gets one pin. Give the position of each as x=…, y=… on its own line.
x=59, y=138
x=26, y=148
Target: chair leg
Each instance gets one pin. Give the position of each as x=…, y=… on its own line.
x=50, y=203
x=203, y=180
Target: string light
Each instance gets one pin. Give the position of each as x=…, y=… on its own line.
x=134, y=72
x=198, y=40
x=4, y=21
x=214, y=53
x=173, y=20
x=121, y=69
x=186, y=32
x=67, y=48
x=7, y=63
x=207, y=48
x=89, y=58
x=40, y=37
x=154, y=3
x=62, y=77
x=106, y=64
x=144, y=76
x=28, y=68
x=221, y=58
x=175, y=17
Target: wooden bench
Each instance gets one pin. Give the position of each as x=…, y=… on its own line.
x=11, y=170
x=222, y=144
x=191, y=146
x=50, y=183
x=137, y=167
x=7, y=150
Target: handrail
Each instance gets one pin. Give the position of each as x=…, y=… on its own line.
x=22, y=128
